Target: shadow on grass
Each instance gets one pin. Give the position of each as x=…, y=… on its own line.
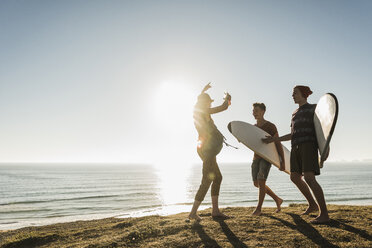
x=32, y=241
x=233, y=239
x=343, y=226
x=306, y=229
x=207, y=241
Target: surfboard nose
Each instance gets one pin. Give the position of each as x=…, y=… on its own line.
x=229, y=127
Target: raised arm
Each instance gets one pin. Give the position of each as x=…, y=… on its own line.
x=223, y=106
x=220, y=108
x=206, y=87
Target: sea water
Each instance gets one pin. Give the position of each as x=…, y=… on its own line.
x=40, y=194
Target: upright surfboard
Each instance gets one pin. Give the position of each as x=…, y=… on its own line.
x=251, y=136
x=325, y=118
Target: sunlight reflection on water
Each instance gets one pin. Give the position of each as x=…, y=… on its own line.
x=173, y=184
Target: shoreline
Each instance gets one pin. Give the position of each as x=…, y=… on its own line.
x=350, y=226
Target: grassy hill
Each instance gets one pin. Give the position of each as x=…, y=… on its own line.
x=351, y=226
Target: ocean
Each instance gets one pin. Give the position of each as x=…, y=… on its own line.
x=41, y=194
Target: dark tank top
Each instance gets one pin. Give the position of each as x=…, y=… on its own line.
x=302, y=125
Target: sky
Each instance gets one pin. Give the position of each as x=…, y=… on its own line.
x=116, y=81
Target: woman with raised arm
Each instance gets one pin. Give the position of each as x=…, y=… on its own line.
x=209, y=145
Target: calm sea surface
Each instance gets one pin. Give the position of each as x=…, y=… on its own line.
x=32, y=194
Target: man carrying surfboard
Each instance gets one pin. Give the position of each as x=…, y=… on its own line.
x=261, y=167
x=209, y=145
x=304, y=153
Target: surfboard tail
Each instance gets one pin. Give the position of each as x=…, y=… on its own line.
x=229, y=127
x=325, y=124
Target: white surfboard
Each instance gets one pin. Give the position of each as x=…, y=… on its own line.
x=251, y=136
x=325, y=118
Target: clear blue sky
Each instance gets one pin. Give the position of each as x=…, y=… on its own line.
x=115, y=81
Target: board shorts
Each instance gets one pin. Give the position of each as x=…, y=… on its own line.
x=260, y=169
x=304, y=158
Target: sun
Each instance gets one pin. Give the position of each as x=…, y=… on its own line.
x=173, y=104
x=172, y=110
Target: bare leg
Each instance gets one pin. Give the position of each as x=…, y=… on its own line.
x=193, y=215
x=215, y=210
x=261, y=197
x=302, y=186
x=319, y=195
x=203, y=188
x=276, y=198
x=215, y=190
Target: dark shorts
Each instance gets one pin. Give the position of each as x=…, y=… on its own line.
x=208, y=151
x=260, y=169
x=304, y=158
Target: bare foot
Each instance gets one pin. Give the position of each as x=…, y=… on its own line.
x=320, y=220
x=194, y=217
x=278, y=204
x=257, y=212
x=310, y=209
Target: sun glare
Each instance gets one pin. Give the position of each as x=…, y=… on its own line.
x=173, y=184
x=172, y=114
x=173, y=104
x=172, y=107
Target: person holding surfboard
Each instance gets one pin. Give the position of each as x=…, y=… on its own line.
x=209, y=145
x=261, y=167
x=304, y=153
